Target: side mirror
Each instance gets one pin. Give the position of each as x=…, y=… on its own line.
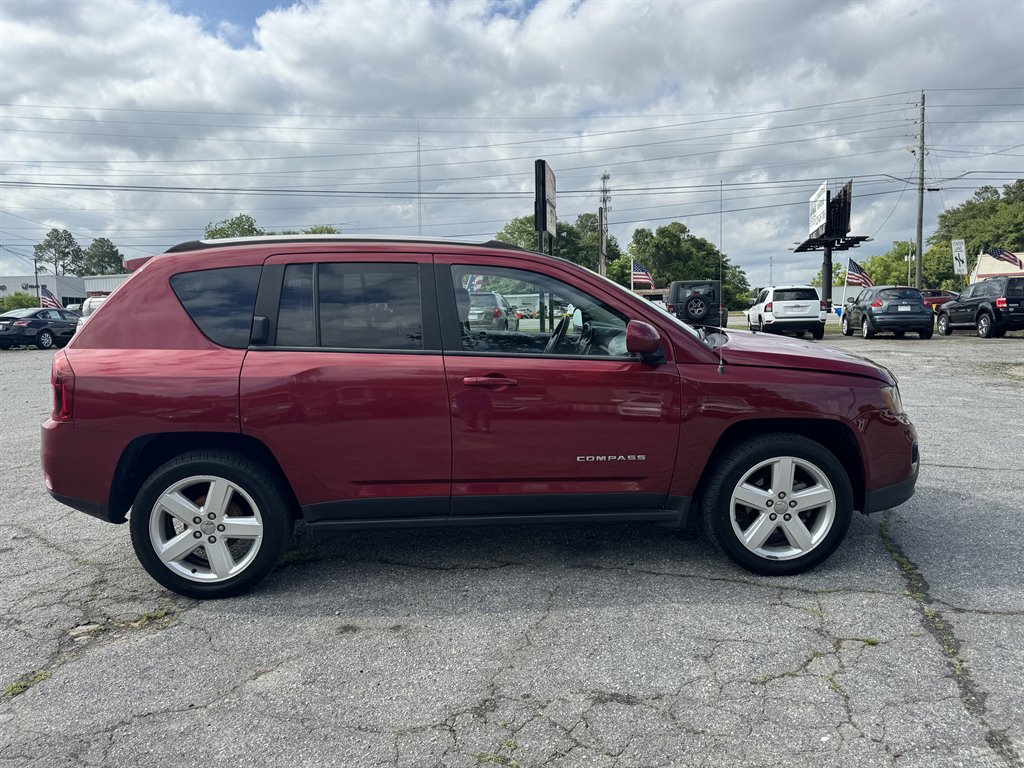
x=642, y=339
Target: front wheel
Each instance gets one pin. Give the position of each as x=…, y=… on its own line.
x=847, y=329
x=778, y=505
x=209, y=524
x=944, y=327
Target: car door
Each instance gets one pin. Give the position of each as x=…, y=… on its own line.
x=554, y=417
x=67, y=325
x=962, y=311
x=346, y=385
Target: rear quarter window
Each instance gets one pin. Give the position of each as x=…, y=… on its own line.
x=220, y=302
x=1015, y=287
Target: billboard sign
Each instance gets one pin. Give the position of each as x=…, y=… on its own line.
x=544, y=201
x=819, y=210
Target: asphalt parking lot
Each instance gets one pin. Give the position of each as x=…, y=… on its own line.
x=575, y=646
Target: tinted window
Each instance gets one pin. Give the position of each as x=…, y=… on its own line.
x=796, y=294
x=220, y=302
x=1015, y=287
x=900, y=293
x=370, y=306
x=295, y=326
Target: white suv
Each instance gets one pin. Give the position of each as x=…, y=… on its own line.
x=788, y=308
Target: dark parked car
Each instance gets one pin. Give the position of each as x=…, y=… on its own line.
x=936, y=297
x=698, y=302
x=895, y=308
x=40, y=327
x=491, y=310
x=992, y=307
x=262, y=381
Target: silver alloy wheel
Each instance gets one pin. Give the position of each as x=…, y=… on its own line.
x=45, y=339
x=782, y=508
x=846, y=326
x=865, y=329
x=206, y=529
x=984, y=325
x=943, y=325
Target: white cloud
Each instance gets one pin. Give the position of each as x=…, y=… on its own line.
x=671, y=98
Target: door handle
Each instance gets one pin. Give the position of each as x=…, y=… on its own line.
x=489, y=381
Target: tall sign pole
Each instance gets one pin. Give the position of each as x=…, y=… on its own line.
x=602, y=225
x=544, y=206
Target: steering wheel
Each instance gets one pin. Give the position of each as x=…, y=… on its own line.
x=557, y=335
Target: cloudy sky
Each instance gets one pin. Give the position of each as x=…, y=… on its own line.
x=144, y=121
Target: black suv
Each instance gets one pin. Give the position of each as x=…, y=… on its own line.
x=992, y=307
x=698, y=302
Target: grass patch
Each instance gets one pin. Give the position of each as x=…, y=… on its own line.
x=25, y=682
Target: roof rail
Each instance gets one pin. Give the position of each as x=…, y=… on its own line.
x=198, y=245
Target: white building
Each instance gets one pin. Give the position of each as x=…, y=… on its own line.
x=990, y=266
x=68, y=288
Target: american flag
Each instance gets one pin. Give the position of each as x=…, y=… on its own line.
x=474, y=282
x=641, y=275
x=857, y=275
x=47, y=299
x=1004, y=255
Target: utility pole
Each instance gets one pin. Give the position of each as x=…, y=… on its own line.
x=419, y=190
x=920, y=201
x=602, y=224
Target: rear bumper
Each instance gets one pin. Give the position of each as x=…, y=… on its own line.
x=794, y=324
x=78, y=466
x=903, y=321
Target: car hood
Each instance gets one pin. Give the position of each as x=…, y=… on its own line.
x=768, y=350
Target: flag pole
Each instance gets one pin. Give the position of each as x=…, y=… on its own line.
x=632, y=267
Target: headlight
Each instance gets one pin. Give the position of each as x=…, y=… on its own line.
x=892, y=398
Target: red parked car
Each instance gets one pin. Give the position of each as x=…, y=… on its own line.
x=936, y=297
x=336, y=380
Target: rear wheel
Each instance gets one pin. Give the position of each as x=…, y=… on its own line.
x=778, y=505
x=926, y=333
x=44, y=340
x=944, y=327
x=818, y=332
x=984, y=325
x=209, y=524
x=866, y=330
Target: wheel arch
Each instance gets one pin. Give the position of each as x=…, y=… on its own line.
x=834, y=436
x=144, y=454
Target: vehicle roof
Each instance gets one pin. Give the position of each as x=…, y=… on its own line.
x=790, y=287
x=198, y=245
x=264, y=240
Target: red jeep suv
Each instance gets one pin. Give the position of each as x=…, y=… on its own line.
x=337, y=380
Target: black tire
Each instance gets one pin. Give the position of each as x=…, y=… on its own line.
x=899, y=334
x=818, y=332
x=724, y=517
x=45, y=340
x=697, y=308
x=253, y=489
x=866, y=329
x=926, y=333
x=984, y=325
x=845, y=325
x=943, y=325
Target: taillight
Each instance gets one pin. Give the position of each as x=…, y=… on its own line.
x=1001, y=302
x=63, y=380
x=876, y=303
x=497, y=311
x=768, y=307
x=21, y=323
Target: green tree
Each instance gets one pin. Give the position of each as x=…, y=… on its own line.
x=60, y=252
x=987, y=220
x=838, y=271
x=577, y=242
x=19, y=300
x=672, y=253
x=102, y=258
x=242, y=225
x=321, y=229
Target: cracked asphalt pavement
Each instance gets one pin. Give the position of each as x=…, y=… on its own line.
x=566, y=646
